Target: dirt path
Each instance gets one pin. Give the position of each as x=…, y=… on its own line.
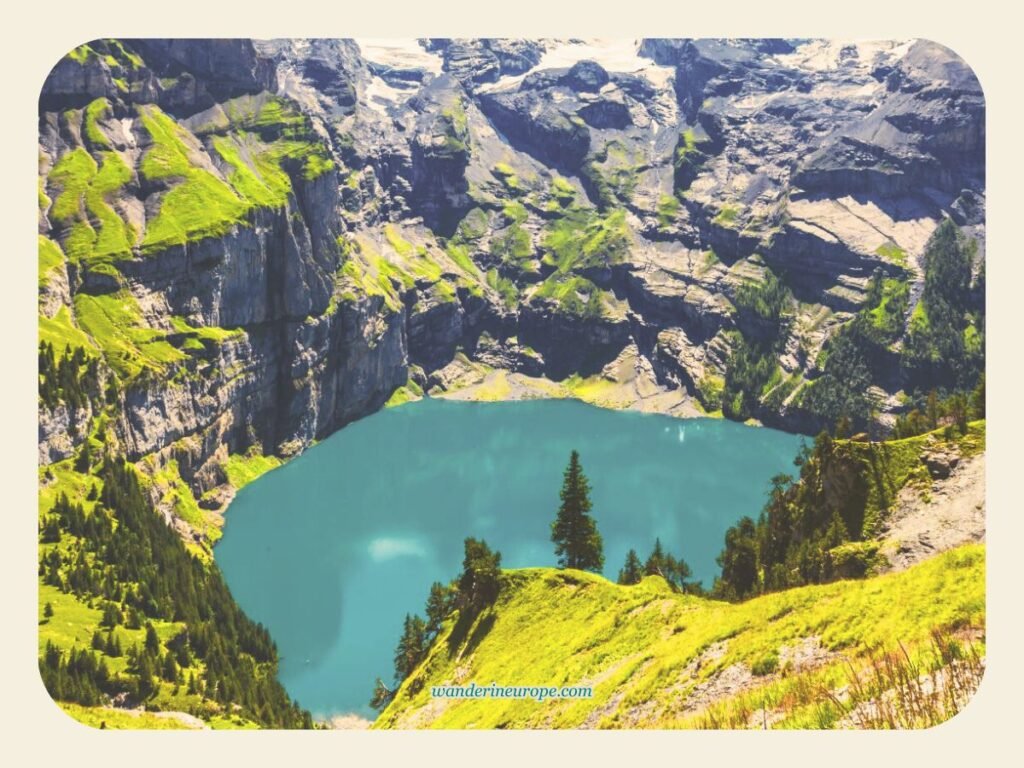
x=950, y=513
x=186, y=719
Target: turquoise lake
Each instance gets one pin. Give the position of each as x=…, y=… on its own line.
x=331, y=551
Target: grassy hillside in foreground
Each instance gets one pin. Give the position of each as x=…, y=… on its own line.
x=660, y=659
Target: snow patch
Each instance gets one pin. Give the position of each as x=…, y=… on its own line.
x=399, y=53
x=825, y=55
x=619, y=55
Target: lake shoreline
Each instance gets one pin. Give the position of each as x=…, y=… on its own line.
x=331, y=549
x=626, y=384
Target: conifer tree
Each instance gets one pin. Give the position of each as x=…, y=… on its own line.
x=112, y=646
x=170, y=668
x=84, y=460
x=146, y=686
x=411, y=646
x=438, y=605
x=655, y=560
x=382, y=695
x=481, y=569
x=738, y=560
x=574, y=532
x=661, y=563
x=632, y=570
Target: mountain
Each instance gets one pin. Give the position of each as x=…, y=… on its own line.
x=245, y=245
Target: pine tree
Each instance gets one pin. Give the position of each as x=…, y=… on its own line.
x=152, y=639
x=574, y=532
x=111, y=616
x=481, y=571
x=84, y=460
x=411, y=646
x=170, y=668
x=438, y=605
x=112, y=646
x=632, y=570
x=678, y=572
x=134, y=620
x=48, y=611
x=382, y=695
x=738, y=560
x=146, y=686
x=674, y=571
x=656, y=561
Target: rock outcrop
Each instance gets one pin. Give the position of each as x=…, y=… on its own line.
x=350, y=217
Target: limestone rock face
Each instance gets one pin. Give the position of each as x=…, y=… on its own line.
x=569, y=343
x=397, y=208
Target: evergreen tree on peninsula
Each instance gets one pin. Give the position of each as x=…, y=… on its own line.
x=574, y=532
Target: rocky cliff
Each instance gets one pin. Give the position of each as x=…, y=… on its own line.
x=264, y=240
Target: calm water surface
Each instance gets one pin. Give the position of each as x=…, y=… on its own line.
x=332, y=550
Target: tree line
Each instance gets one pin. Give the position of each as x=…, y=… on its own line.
x=122, y=555
x=578, y=544
x=71, y=378
x=805, y=519
x=943, y=344
x=475, y=588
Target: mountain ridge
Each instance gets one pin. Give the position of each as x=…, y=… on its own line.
x=245, y=245
x=656, y=658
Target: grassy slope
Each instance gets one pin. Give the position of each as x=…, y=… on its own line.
x=634, y=645
x=75, y=620
x=242, y=470
x=85, y=187
x=73, y=624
